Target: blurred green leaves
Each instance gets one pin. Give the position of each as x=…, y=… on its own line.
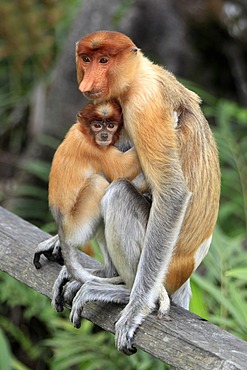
x=31, y=35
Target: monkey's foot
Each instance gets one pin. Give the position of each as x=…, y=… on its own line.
x=90, y=291
x=163, y=305
x=130, y=319
x=51, y=249
x=58, y=289
x=97, y=291
x=69, y=292
x=77, y=307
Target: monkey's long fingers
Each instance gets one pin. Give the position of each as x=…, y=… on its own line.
x=50, y=248
x=56, y=255
x=164, y=304
x=77, y=307
x=70, y=291
x=58, y=289
x=85, y=294
x=130, y=319
x=125, y=331
x=75, y=316
x=36, y=259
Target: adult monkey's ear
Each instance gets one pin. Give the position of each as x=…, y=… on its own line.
x=134, y=48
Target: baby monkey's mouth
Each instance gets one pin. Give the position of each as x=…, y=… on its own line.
x=103, y=142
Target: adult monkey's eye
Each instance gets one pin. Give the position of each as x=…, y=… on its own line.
x=85, y=58
x=103, y=60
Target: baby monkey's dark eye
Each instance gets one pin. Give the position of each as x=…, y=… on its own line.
x=97, y=126
x=112, y=126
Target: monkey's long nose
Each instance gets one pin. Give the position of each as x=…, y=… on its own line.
x=86, y=85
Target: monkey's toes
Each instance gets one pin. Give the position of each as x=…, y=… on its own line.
x=36, y=262
x=75, y=317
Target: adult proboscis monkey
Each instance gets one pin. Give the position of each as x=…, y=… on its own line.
x=180, y=164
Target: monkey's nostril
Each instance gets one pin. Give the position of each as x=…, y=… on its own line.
x=104, y=137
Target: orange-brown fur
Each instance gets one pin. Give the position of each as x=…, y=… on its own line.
x=200, y=167
x=148, y=95
x=81, y=170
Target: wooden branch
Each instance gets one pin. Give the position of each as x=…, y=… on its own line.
x=187, y=342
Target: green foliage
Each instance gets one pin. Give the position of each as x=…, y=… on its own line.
x=5, y=359
x=32, y=33
x=32, y=30
x=219, y=291
x=28, y=306
x=31, y=201
x=238, y=273
x=231, y=136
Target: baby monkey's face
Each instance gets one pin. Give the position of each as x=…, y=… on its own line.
x=103, y=131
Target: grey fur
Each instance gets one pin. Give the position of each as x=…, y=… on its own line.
x=126, y=215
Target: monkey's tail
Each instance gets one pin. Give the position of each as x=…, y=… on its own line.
x=78, y=271
x=71, y=258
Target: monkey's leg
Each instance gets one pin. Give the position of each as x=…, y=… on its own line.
x=124, y=209
x=65, y=293
x=167, y=211
x=125, y=213
x=124, y=249
x=65, y=288
x=108, y=270
x=81, y=224
x=75, y=230
x=51, y=249
x=105, y=292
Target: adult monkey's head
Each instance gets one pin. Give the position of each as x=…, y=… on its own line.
x=106, y=63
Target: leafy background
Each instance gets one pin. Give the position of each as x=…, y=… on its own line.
x=32, y=335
